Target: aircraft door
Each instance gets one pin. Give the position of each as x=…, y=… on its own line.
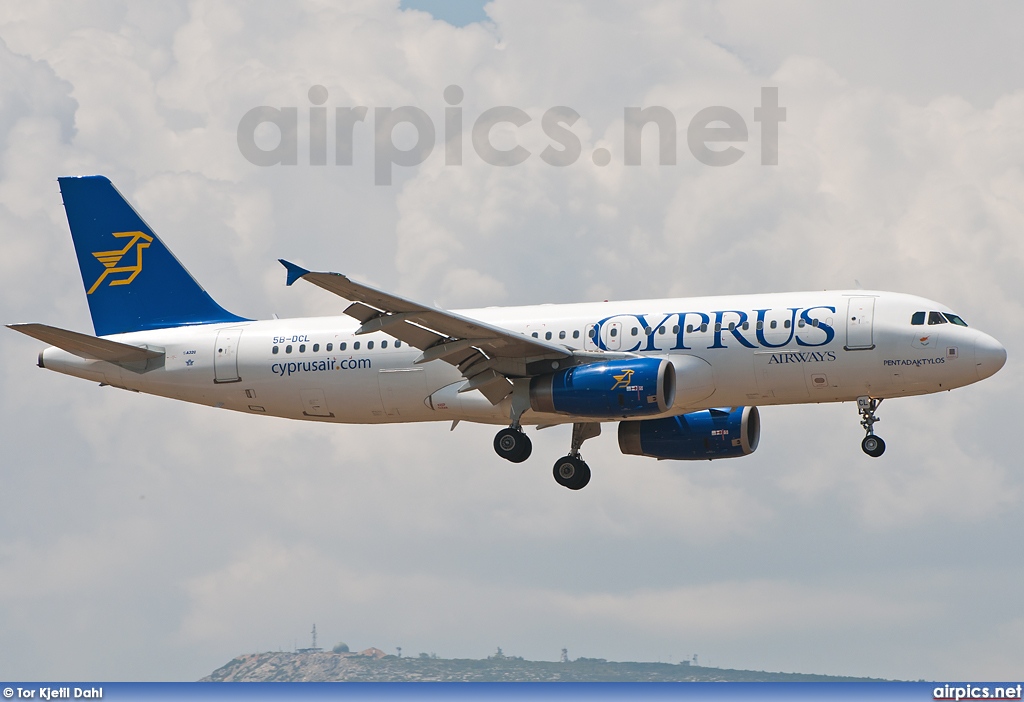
x=225, y=357
x=402, y=388
x=611, y=336
x=590, y=338
x=859, y=323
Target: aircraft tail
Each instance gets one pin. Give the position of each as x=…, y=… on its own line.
x=132, y=281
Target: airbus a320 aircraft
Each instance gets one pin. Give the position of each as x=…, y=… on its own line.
x=682, y=377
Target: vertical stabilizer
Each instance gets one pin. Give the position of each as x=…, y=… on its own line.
x=132, y=281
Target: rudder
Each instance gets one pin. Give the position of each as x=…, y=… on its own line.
x=132, y=280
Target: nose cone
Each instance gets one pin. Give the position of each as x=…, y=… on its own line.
x=989, y=356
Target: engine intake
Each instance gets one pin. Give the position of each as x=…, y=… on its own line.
x=622, y=388
x=704, y=435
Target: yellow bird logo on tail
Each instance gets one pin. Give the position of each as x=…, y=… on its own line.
x=622, y=381
x=110, y=259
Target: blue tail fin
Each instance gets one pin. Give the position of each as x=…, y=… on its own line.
x=133, y=282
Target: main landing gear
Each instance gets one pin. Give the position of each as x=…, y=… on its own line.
x=872, y=445
x=572, y=471
x=513, y=444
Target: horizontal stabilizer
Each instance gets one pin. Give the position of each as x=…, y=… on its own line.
x=135, y=358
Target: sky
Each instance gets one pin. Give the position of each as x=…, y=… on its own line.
x=144, y=539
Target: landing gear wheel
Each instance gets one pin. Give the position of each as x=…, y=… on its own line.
x=572, y=472
x=873, y=446
x=513, y=445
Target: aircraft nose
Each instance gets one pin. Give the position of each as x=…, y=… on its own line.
x=989, y=356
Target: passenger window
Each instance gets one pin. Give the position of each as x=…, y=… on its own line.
x=955, y=319
x=547, y=335
x=302, y=348
x=384, y=344
x=316, y=347
x=274, y=350
x=801, y=324
x=342, y=346
x=787, y=324
x=689, y=328
x=675, y=328
x=647, y=331
x=718, y=326
x=814, y=322
x=746, y=326
x=561, y=335
x=398, y=344
x=704, y=327
x=613, y=332
x=592, y=333
x=635, y=330
x=732, y=326
x=369, y=345
x=774, y=324
x=576, y=334
x=535, y=335
x=288, y=348
x=917, y=319
x=760, y=324
x=355, y=346
x=330, y=347
x=936, y=318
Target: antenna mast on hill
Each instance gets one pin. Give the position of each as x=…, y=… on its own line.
x=314, y=636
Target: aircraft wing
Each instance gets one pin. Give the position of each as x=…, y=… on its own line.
x=487, y=355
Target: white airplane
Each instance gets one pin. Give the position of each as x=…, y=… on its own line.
x=682, y=377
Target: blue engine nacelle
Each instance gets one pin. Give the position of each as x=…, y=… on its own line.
x=623, y=388
x=704, y=435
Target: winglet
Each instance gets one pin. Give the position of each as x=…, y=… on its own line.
x=294, y=272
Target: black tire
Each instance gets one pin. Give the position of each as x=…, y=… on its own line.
x=526, y=450
x=513, y=445
x=873, y=446
x=571, y=472
x=582, y=477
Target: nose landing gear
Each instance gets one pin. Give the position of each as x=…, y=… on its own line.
x=871, y=445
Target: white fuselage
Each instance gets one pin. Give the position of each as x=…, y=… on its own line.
x=781, y=348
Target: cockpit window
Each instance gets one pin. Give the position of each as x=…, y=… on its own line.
x=936, y=318
x=954, y=319
x=917, y=319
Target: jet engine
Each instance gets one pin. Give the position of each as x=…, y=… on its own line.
x=708, y=434
x=621, y=388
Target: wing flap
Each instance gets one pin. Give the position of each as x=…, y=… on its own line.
x=373, y=306
x=487, y=356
